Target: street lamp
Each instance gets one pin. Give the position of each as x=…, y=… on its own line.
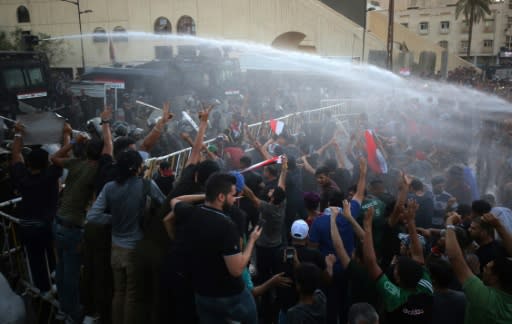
x=80, y=13
x=365, y=27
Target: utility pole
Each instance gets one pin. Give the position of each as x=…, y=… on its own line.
x=389, y=48
x=81, y=38
x=80, y=13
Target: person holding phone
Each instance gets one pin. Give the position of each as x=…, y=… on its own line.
x=288, y=258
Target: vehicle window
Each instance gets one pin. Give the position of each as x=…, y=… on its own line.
x=35, y=76
x=13, y=78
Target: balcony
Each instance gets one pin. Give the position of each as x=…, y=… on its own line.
x=444, y=31
x=486, y=50
x=463, y=50
x=488, y=29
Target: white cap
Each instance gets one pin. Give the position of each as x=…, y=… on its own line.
x=300, y=229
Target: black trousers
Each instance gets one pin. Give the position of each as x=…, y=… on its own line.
x=97, y=277
x=38, y=240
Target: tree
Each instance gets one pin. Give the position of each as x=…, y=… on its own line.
x=474, y=11
x=55, y=50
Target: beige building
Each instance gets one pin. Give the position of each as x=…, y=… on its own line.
x=435, y=21
x=306, y=25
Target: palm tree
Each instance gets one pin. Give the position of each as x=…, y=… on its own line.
x=474, y=11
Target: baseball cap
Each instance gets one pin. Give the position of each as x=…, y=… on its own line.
x=240, y=181
x=300, y=229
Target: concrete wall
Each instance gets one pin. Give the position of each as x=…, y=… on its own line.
x=261, y=21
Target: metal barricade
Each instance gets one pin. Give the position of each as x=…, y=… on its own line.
x=343, y=110
x=18, y=263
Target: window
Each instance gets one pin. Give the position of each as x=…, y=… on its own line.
x=465, y=27
x=119, y=34
x=508, y=41
x=445, y=27
x=488, y=43
x=406, y=25
x=424, y=27
x=100, y=35
x=510, y=4
x=162, y=26
x=443, y=44
x=13, y=78
x=488, y=25
x=35, y=76
x=464, y=45
x=22, y=14
x=186, y=25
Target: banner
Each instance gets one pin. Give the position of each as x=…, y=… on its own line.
x=42, y=128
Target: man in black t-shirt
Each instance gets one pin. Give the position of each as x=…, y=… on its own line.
x=213, y=257
x=288, y=296
x=164, y=178
x=38, y=185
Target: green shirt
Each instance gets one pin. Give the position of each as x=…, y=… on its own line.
x=486, y=304
x=79, y=190
x=394, y=296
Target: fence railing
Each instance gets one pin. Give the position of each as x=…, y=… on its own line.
x=342, y=110
x=18, y=265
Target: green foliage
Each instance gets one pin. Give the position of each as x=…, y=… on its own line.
x=474, y=11
x=55, y=50
x=479, y=8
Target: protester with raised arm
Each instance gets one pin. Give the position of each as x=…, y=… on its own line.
x=488, y=300
x=69, y=223
x=410, y=297
x=37, y=182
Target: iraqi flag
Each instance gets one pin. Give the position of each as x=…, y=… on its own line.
x=277, y=126
x=376, y=160
x=274, y=160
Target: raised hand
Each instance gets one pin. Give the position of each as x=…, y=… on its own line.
x=67, y=130
x=453, y=219
x=106, y=114
x=347, y=213
x=19, y=128
x=256, y=233
x=82, y=138
x=205, y=112
x=166, y=115
x=491, y=220
x=334, y=212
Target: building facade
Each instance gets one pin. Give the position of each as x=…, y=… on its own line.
x=307, y=25
x=435, y=20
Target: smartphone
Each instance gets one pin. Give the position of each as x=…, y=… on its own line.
x=261, y=222
x=289, y=253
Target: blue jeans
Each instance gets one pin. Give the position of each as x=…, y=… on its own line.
x=68, y=242
x=222, y=310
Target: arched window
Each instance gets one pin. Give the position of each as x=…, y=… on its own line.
x=186, y=25
x=119, y=34
x=100, y=35
x=162, y=26
x=23, y=14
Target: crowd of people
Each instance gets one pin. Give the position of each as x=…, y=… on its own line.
x=384, y=224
